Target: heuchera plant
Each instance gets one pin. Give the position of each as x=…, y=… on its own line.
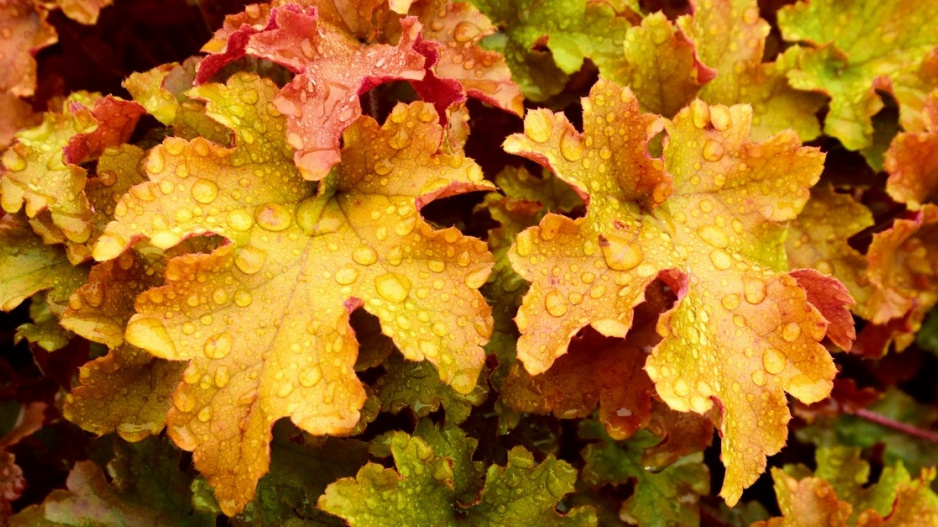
x=440, y=263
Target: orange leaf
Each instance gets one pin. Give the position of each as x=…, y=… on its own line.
x=264, y=320
x=742, y=332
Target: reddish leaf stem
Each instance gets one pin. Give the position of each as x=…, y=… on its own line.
x=905, y=428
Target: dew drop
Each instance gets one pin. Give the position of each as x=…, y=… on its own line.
x=364, y=255
x=205, y=414
x=524, y=244
x=555, y=303
x=273, y=217
x=218, y=346
x=466, y=31
x=183, y=401
x=310, y=376
x=155, y=163
x=250, y=259
x=713, y=236
x=240, y=220
x=393, y=287
x=436, y=266
x=620, y=254
x=476, y=279
x=222, y=377
x=204, y=191
x=346, y=275
x=773, y=361
x=285, y=389
x=720, y=259
x=571, y=145
x=753, y=290
x=243, y=298
x=713, y=150
x=220, y=296
x=730, y=301
x=791, y=332
x=759, y=378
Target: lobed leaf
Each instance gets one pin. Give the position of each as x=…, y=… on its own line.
x=263, y=320
x=660, y=65
x=425, y=487
x=849, y=59
x=333, y=69
x=709, y=219
x=730, y=37
x=572, y=31
x=668, y=497
x=41, y=167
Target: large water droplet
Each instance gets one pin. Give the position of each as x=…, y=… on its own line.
x=273, y=217
x=364, y=255
x=713, y=236
x=791, y=332
x=218, y=346
x=243, y=298
x=250, y=259
x=204, y=191
x=713, y=150
x=759, y=378
x=310, y=376
x=721, y=259
x=393, y=287
x=571, y=145
x=555, y=303
x=753, y=290
x=773, y=361
x=14, y=161
x=466, y=31
x=222, y=377
x=620, y=254
x=346, y=275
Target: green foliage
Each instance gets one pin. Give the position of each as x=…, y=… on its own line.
x=468, y=262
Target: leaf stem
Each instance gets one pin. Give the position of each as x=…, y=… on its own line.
x=899, y=426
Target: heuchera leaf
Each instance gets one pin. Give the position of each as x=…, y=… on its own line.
x=838, y=494
x=44, y=330
x=591, y=374
x=162, y=91
x=848, y=430
x=416, y=385
x=30, y=266
x=41, y=167
x=300, y=469
x=459, y=27
x=660, y=66
x=263, y=320
x=912, y=161
x=742, y=332
x=128, y=390
x=333, y=69
x=148, y=489
x=730, y=37
x=83, y=11
x=24, y=31
x=662, y=498
x=818, y=239
x=572, y=30
x=423, y=490
x=902, y=268
x=849, y=60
